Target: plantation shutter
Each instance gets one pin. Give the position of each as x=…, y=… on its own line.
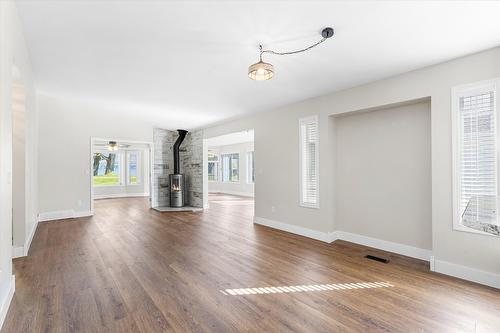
x=309, y=164
x=478, y=151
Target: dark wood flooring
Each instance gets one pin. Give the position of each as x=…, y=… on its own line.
x=132, y=269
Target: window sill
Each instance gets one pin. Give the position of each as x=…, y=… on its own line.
x=106, y=186
x=309, y=206
x=463, y=228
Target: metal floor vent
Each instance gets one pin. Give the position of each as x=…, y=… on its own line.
x=385, y=261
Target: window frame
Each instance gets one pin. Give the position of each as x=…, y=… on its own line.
x=456, y=93
x=120, y=157
x=139, y=167
x=216, y=167
x=222, y=167
x=305, y=121
x=250, y=166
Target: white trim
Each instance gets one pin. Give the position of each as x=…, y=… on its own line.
x=402, y=249
x=27, y=244
x=330, y=237
x=302, y=121
x=22, y=251
x=63, y=214
x=17, y=252
x=467, y=273
x=243, y=194
x=120, y=195
x=294, y=229
x=456, y=93
x=82, y=214
x=4, y=305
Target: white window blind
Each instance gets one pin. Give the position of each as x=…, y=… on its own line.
x=475, y=144
x=309, y=162
x=478, y=163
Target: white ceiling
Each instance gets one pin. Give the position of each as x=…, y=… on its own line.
x=231, y=139
x=183, y=64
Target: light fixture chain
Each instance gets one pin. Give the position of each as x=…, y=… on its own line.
x=292, y=52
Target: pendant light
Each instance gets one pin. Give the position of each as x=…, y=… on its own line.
x=262, y=71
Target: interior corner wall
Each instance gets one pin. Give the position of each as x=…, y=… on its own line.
x=276, y=185
x=66, y=126
x=383, y=174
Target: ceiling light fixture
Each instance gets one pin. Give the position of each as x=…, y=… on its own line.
x=112, y=146
x=262, y=71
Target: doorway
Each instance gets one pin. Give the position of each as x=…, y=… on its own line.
x=230, y=168
x=120, y=169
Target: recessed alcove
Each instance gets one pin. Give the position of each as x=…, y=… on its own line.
x=382, y=183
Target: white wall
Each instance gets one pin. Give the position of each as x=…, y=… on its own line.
x=477, y=254
x=383, y=174
x=18, y=163
x=242, y=187
x=127, y=190
x=13, y=54
x=66, y=126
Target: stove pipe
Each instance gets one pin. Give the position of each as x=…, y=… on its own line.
x=182, y=135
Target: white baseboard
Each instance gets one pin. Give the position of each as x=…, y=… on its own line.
x=83, y=214
x=63, y=214
x=17, y=252
x=22, y=251
x=5, y=303
x=466, y=273
x=120, y=195
x=242, y=194
x=330, y=237
x=30, y=238
x=314, y=234
x=402, y=249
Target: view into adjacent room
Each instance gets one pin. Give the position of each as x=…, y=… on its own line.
x=231, y=168
x=120, y=169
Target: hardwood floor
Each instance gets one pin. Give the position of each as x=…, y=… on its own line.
x=132, y=269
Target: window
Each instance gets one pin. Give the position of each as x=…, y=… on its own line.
x=475, y=145
x=133, y=165
x=230, y=168
x=213, y=166
x=250, y=168
x=107, y=169
x=309, y=162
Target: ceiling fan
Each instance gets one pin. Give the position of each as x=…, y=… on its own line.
x=112, y=145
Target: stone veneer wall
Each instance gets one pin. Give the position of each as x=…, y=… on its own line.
x=163, y=165
x=192, y=167
x=191, y=155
